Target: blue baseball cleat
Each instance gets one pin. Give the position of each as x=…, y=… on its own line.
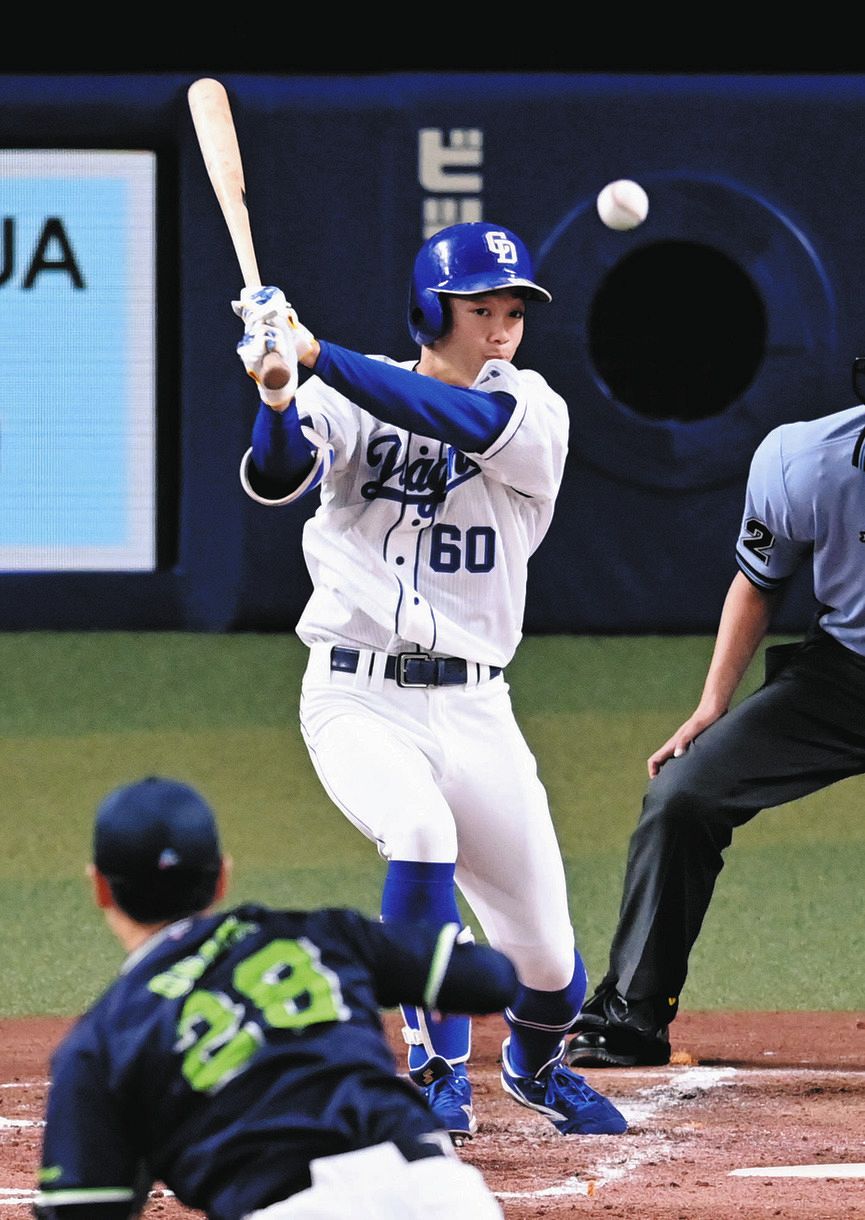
x=564, y=1097
x=448, y=1092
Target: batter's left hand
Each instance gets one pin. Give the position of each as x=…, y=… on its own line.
x=268, y=304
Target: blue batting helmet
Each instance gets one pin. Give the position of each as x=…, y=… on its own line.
x=462, y=260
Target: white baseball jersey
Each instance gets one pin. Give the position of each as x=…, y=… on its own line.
x=416, y=544
x=806, y=493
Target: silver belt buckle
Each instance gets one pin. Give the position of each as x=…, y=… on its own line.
x=402, y=659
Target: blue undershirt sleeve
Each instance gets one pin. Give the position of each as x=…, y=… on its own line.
x=281, y=454
x=470, y=420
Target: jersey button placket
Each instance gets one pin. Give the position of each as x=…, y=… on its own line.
x=408, y=530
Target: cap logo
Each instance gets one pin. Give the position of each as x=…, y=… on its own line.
x=168, y=858
x=500, y=244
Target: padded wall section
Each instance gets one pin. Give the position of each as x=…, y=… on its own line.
x=735, y=307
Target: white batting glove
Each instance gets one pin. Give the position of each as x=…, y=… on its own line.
x=265, y=304
x=260, y=340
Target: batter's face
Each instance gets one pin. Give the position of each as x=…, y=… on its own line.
x=488, y=326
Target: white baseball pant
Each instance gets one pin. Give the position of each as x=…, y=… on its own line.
x=379, y=1184
x=443, y=775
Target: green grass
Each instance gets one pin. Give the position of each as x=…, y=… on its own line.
x=84, y=712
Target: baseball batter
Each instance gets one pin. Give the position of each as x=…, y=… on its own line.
x=801, y=731
x=437, y=479
x=239, y=1057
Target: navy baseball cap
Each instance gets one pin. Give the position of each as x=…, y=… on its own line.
x=156, y=841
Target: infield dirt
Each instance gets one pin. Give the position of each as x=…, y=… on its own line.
x=744, y=1091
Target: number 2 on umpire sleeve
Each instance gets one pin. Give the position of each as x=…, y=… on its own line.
x=290, y=989
x=760, y=539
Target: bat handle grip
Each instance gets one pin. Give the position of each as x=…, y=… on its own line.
x=275, y=373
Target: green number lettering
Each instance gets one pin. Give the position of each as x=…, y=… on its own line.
x=287, y=981
x=290, y=989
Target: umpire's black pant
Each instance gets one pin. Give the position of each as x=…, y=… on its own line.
x=801, y=731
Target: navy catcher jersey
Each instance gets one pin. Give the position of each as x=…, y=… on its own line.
x=235, y=1048
x=806, y=496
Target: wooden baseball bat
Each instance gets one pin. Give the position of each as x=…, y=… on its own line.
x=217, y=139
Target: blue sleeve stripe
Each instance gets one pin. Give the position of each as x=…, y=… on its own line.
x=769, y=583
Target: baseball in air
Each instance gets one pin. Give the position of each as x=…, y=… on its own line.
x=623, y=204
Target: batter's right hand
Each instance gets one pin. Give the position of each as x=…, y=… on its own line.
x=260, y=339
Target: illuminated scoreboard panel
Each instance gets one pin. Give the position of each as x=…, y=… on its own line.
x=77, y=360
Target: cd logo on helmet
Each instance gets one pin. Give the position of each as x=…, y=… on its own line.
x=499, y=243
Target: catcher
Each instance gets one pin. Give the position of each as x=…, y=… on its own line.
x=240, y=1057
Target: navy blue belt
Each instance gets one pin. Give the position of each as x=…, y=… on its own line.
x=415, y=668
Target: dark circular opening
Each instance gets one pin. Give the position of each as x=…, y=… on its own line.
x=677, y=331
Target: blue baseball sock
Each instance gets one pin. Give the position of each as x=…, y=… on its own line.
x=415, y=890
x=539, y=1020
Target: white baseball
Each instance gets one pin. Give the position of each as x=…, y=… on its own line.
x=623, y=204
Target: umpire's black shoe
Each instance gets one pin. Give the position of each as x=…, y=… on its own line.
x=610, y=1033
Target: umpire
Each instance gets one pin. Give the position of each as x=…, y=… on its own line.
x=239, y=1057
x=801, y=731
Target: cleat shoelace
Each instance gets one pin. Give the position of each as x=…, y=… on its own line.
x=572, y=1086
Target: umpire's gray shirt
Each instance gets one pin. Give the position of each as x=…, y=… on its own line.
x=806, y=491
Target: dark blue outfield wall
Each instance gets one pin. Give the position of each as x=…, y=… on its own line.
x=738, y=305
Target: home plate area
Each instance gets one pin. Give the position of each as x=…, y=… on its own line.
x=757, y=1115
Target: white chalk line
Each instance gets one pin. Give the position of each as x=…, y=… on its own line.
x=25, y=1198
x=650, y=1102
x=16, y=1196
x=10, y=1123
x=848, y=1170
